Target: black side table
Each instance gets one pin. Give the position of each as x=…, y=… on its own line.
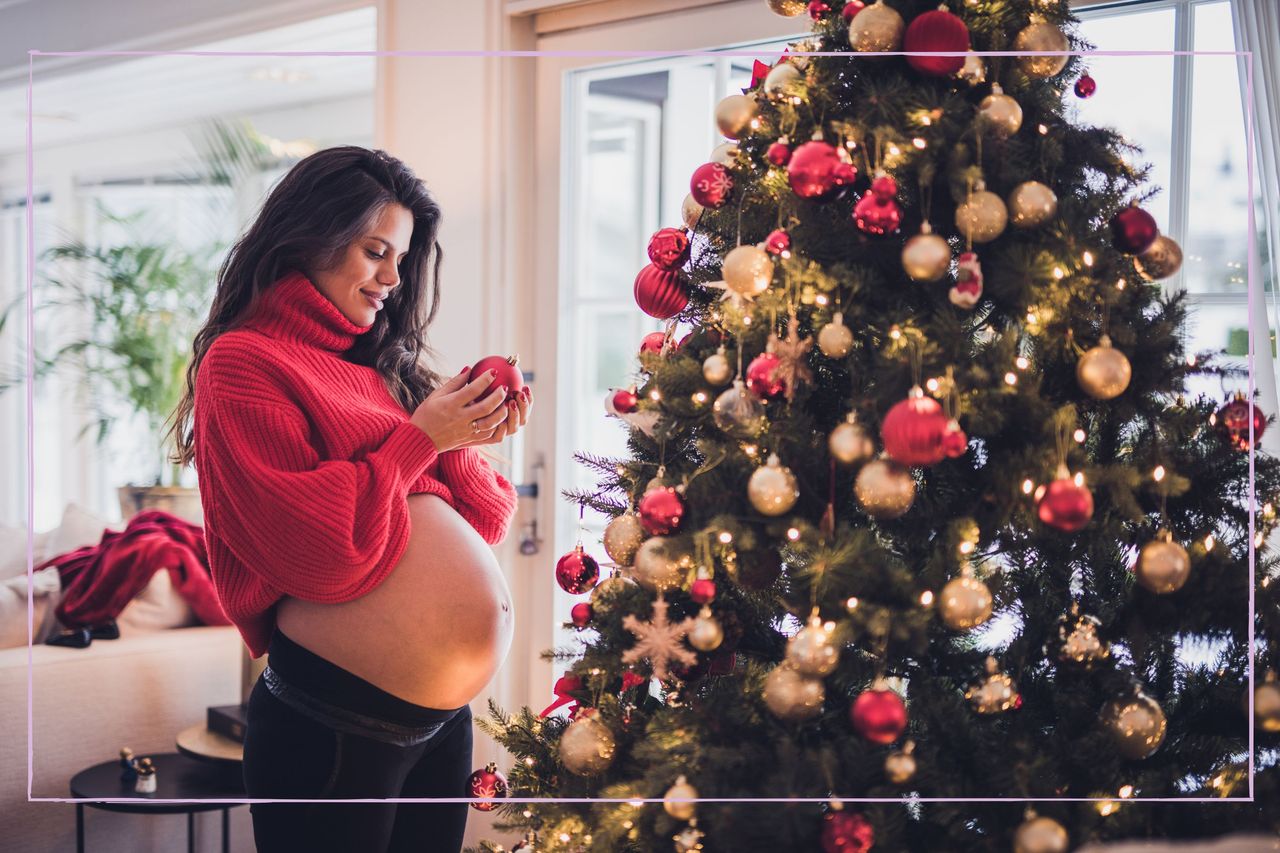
x=177, y=777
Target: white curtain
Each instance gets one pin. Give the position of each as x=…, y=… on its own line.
x=1257, y=30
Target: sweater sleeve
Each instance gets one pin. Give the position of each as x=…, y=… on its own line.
x=485, y=498
x=320, y=530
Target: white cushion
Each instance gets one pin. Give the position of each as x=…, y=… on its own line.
x=13, y=550
x=46, y=592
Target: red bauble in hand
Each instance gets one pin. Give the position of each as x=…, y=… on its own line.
x=1064, y=504
x=1086, y=86
x=1232, y=422
x=661, y=511
x=577, y=572
x=879, y=715
x=846, y=832
x=817, y=172
x=711, y=185
x=760, y=377
x=1133, y=230
x=487, y=783
x=913, y=430
x=703, y=590
x=937, y=31
x=669, y=248
x=581, y=614
x=661, y=293
x=507, y=373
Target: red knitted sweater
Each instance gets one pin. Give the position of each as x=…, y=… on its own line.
x=305, y=462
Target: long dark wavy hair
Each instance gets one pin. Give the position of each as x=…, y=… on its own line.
x=324, y=203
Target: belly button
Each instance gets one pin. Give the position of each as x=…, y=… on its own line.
x=505, y=606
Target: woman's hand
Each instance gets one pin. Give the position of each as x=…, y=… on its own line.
x=456, y=415
x=517, y=414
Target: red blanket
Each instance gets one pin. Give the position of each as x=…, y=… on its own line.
x=98, y=581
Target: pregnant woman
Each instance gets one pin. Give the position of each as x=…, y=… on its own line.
x=348, y=512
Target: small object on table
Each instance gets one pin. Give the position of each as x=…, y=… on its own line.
x=128, y=770
x=146, y=781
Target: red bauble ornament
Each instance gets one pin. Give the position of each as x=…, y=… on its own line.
x=817, y=9
x=661, y=510
x=507, y=373
x=779, y=153
x=711, y=185
x=913, y=430
x=577, y=572
x=937, y=31
x=875, y=214
x=581, y=614
x=703, y=590
x=954, y=442
x=777, y=242
x=846, y=832
x=852, y=8
x=884, y=186
x=880, y=716
x=1064, y=504
x=1232, y=421
x=1133, y=230
x=625, y=401
x=1086, y=86
x=669, y=248
x=702, y=337
x=652, y=342
x=817, y=172
x=760, y=377
x=487, y=782
x=661, y=293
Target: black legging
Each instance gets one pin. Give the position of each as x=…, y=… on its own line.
x=317, y=731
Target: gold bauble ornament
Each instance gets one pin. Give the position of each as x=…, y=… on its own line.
x=884, y=488
x=926, y=256
x=993, y=694
x=622, y=538
x=1163, y=565
x=681, y=790
x=1266, y=704
x=747, y=270
x=716, y=369
x=964, y=603
x=1137, y=724
x=900, y=765
x=772, y=487
x=738, y=412
x=850, y=442
x=1103, y=372
x=787, y=8
x=658, y=566
x=1161, y=259
x=974, y=70
x=726, y=153
x=813, y=651
x=1078, y=640
x=781, y=79
x=1031, y=203
x=1000, y=112
x=1041, y=36
x=1040, y=835
x=690, y=211
x=706, y=635
x=734, y=114
x=876, y=28
x=835, y=340
x=791, y=696
x=587, y=745
x=605, y=594
x=982, y=217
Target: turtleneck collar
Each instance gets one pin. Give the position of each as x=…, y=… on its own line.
x=295, y=309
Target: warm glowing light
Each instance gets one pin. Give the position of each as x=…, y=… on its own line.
x=1158, y=473
x=528, y=762
x=852, y=603
x=1120, y=284
x=750, y=449
x=1011, y=378
x=1078, y=479
x=1022, y=362
x=895, y=333
x=1059, y=273
x=700, y=397
x=793, y=534
x=1043, y=129
x=926, y=598
x=528, y=813
x=1191, y=361
x=635, y=804
x=755, y=124
x=564, y=836
x=919, y=143
x=1126, y=791
x=726, y=537
x=1107, y=807
x=1078, y=435
x=932, y=385
x=894, y=151
x=655, y=394
x=626, y=824
x=1027, y=486
x=1088, y=259
x=821, y=298
x=1209, y=542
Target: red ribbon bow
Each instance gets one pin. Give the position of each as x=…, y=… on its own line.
x=759, y=70
x=564, y=686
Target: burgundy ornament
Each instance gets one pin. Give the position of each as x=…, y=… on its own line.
x=779, y=153
x=661, y=511
x=581, y=614
x=846, y=832
x=1063, y=504
x=937, y=31
x=817, y=172
x=777, y=242
x=625, y=401
x=711, y=185
x=703, y=590
x=1232, y=422
x=876, y=214
x=487, y=782
x=852, y=8
x=660, y=293
x=1133, y=230
x=954, y=442
x=760, y=377
x=577, y=572
x=652, y=342
x=879, y=715
x=818, y=9
x=884, y=186
x=669, y=248
x=1086, y=86
x=913, y=430
x=704, y=336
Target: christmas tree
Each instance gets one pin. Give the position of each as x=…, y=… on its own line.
x=922, y=509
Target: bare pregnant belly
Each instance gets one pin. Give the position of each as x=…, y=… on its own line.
x=437, y=627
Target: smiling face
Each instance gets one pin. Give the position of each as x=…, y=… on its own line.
x=370, y=268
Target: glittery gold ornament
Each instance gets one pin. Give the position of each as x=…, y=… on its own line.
x=791, y=696
x=983, y=216
x=926, y=256
x=1266, y=704
x=772, y=487
x=690, y=211
x=622, y=538
x=1163, y=565
x=706, y=635
x=734, y=114
x=884, y=488
x=587, y=745
x=974, y=70
x=681, y=790
x=781, y=79
x=1042, y=36
x=716, y=369
x=1000, y=112
x=787, y=8
x=964, y=603
x=900, y=765
x=1161, y=259
x=813, y=650
x=737, y=412
x=1031, y=203
x=658, y=565
x=747, y=270
x=850, y=442
x=1103, y=372
x=835, y=340
x=1137, y=724
x=1078, y=641
x=994, y=693
x=725, y=153
x=1039, y=834
x=878, y=27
